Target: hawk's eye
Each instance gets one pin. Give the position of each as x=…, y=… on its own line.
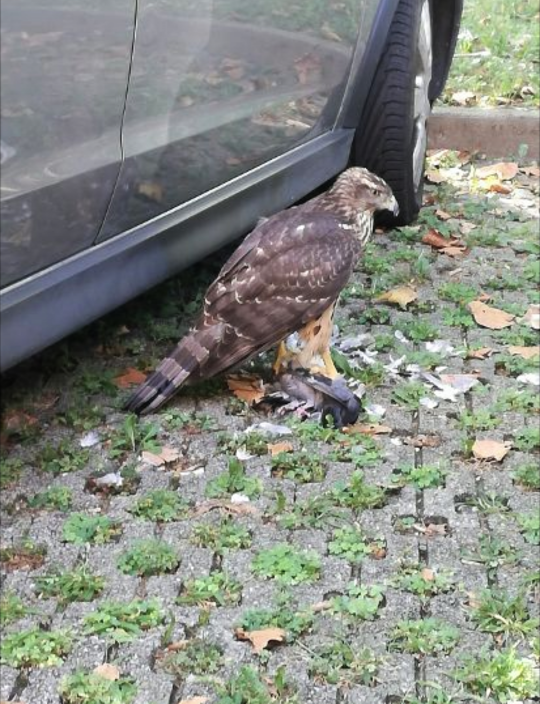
x=374, y=191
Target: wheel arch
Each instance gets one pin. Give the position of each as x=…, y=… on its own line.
x=446, y=16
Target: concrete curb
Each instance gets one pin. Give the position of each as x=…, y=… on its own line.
x=497, y=132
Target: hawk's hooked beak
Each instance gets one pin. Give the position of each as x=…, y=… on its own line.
x=393, y=206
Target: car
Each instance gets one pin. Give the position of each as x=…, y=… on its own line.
x=141, y=135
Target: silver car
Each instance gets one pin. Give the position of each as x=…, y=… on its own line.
x=138, y=136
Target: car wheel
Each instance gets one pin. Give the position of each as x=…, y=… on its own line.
x=392, y=137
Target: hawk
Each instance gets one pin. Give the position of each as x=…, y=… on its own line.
x=280, y=286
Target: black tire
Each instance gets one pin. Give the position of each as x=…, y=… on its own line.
x=386, y=136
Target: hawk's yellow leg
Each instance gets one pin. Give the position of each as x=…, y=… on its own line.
x=282, y=357
x=329, y=365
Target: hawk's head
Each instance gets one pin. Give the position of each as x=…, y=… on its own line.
x=358, y=190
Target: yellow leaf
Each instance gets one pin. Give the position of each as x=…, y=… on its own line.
x=490, y=450
x=488, y=317
x=278, y=447
x=401, y=296
x=247, y=387
x=525, y=352
x=107, y=671
x=260, y=639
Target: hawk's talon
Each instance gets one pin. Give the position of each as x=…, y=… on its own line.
x=281, y=358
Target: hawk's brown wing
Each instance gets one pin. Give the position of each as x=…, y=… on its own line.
x=288, y=271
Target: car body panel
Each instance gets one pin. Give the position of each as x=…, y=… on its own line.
x=64, y=77
x=215, y=92
x=57, y=301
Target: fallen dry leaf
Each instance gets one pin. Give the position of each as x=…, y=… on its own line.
x=442, y=215
x=428, y=574
x=423, y=441
x=488, y=317
x=129, y=377
x=503, y=170
x=530, y=170
x=369, y=429
x=277, y=447
x=455, y=250
x=107, y=671
x=157, y=459
x=490, y=450
x=525, y=352
x=463, y=97
x=15, y=421
x=435, y=239
x=532, y=317
x=431, y=529
x=238, y=509
x=195, y=700
x=249, y=387
x=480, y=353
x=260, y=639
x=501, y=188
x=321, y=606
x=401, y=296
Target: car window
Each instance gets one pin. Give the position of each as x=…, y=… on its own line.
x=65, y=66
x=218, y=87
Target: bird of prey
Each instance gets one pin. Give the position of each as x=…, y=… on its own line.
x=284, y=278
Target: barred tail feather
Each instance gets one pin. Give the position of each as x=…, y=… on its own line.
x=187, y=358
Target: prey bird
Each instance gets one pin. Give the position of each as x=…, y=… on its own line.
x=281, y=285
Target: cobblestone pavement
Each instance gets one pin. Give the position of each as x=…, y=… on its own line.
x=392, y=567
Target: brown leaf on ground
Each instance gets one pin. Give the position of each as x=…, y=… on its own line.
x=194, y=700
x=401, y=296
x=532, y=317
x=428, y=574
x=467, y=227
x=423, y=441
x=525, y=352
x=238, y=509
x=107, y=671
x=455, y=250
x=157, y=459
x=530, y=170
x=503, y=170
x=501, y=188
x=248, y=387
x=262, y=638
x=435, y=239
x=432, y=529
x=488, y=317
x=321, y=606
x=130, y=377
x=15, y=421
x=480, y=353
x=491, y=450
x=442, y=214
x=277, y=447
x=369, y=429
x=377, y=551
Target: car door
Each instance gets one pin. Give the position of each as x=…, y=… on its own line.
x=219, y=87
x=65, y=67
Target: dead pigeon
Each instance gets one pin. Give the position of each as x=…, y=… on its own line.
x=332, y=397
